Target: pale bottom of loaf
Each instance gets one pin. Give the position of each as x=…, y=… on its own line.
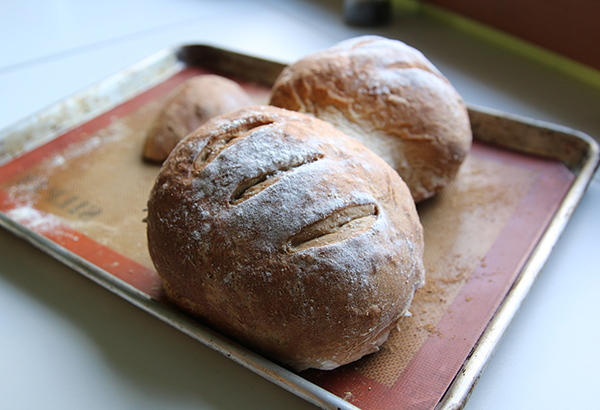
x=369, y=346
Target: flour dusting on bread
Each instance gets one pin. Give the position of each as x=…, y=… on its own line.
x=389, y=96
x=291, y=237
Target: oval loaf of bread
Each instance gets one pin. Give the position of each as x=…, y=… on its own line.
x=281, y=232
x=390, y=97
x=188, y=106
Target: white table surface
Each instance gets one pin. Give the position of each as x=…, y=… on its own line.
x=67, y=343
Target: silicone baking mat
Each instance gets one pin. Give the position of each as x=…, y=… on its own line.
x=87, y=190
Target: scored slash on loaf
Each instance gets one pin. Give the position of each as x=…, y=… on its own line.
x=283, y=233
x=292, y=228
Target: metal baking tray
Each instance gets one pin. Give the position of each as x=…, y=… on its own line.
x=551, y=165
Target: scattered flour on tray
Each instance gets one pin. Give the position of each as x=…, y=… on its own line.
x=40, y=222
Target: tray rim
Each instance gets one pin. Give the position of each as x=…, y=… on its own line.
x=41, y=127
x=466, y=379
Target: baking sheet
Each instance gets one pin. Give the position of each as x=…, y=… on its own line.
x=73, y=182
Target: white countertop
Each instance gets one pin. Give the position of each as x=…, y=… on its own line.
x=67, y=343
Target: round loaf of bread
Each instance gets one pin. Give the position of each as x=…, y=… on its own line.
x=293, y=239
x=188, y=106
x=390, y=97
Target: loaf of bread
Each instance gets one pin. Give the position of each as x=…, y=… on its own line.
x=390, y=97
x=293, y=239
x=190, y=105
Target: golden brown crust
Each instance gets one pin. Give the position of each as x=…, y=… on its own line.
x=390, y=97
x=190, y=105
x=288, y=236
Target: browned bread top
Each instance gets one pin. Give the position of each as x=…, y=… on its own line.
x=389, y=96
x=188, y=106
x=288, y=236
